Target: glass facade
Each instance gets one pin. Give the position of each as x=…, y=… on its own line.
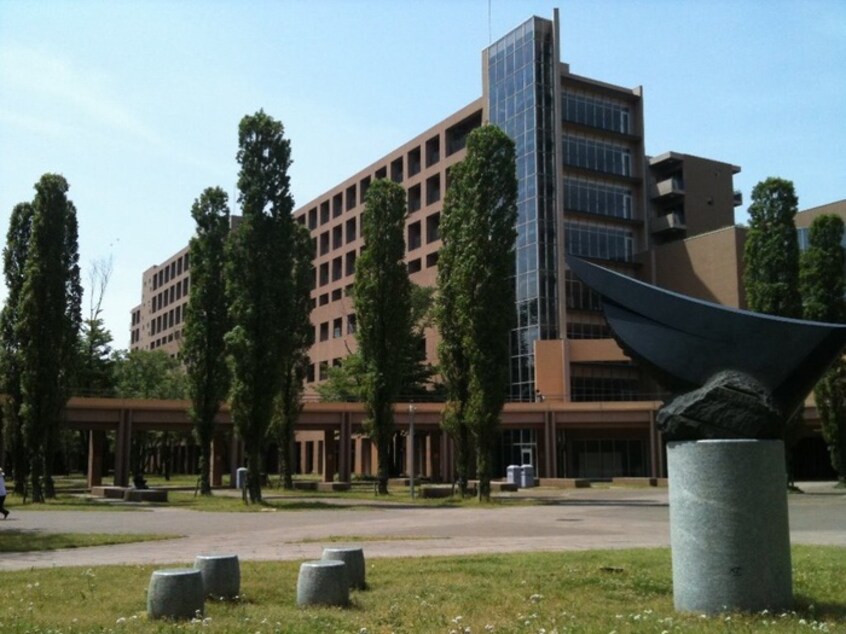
x=598, y=241
x=600, y=156
x=593, y=197
x=596, y=112
x=521, y=101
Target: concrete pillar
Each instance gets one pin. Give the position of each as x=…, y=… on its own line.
x=728, y=526
x=329, y=448
x=345, y=448
x=550, y=446
x=123, y=446
x=217, y=453
x=96, y=446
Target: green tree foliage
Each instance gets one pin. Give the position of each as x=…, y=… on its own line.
x=207, y=322
x=48, y=320
x=148, y=374
x=771, y=268
x=344, y=382
x=476, y=291
x=823, y=284
x=258, y=284
x=14, y=262
x=382, y=297
x=771, y=255
x=299, y=336
x=94, y=376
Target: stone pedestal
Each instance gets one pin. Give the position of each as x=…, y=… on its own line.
x=221, y=575
x=175, y=594
x=354, y=560
x=323, y=582
x=728, y=526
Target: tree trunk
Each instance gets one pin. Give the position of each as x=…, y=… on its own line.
x=383, y=469
x=36, y=476
x=254, y=476
x=205, y=466
x=287, y=459
x=484, y=460
x=462, y=458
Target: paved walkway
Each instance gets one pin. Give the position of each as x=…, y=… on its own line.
x=562, y=520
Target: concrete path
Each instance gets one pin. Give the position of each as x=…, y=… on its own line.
x=562, y=520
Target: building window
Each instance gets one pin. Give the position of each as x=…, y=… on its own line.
x=337, y=328
x=433, y=189
x=351, y=200
x=414, y=161
x=312, y=218
x=596, y=112
x=433, y=228
x=337, y=205
x=337, y=237
x=396, y=170
x=413, y=241
x=593, y=197
x=324, y=370
x=414, y=266
x=324, y=212
x=432, y=260
x=364, y=185
x=337, y=269
x=324, y=243
x=336, y=294
x=597, y=155
x=351, y=230
x=351, y=324
x=324, y=331
x=324, y=273
x=414, y=199
x=433, y=151
x=598, y=241
x=350, y=264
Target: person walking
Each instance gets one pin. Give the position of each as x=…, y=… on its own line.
x=3, y=495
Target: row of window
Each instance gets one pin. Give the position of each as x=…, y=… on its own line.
x=158, y=343
x=598, y=198
x=400, y=168
x=170, y=295
x=598, y=241
x=321, y=332
x=597, y=155
x=596, y=112
x=167, y=320
x=169, y=272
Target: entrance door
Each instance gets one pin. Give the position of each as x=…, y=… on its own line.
x=526, y=455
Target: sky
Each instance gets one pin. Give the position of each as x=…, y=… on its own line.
x=137, y=103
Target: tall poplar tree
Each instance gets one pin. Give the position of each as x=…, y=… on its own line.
x=14, y=262
x=48, y=320
x=207, y=322
x=823, y=284
x=771, y=269
x=477, y=302
x=453, y=361
x=771, y=254
x=382, y=298
x=299, y=337
x=258, y=284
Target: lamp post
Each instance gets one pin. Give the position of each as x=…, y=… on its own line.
x=411, y=410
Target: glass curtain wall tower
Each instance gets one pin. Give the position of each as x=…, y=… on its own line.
x=520, y=78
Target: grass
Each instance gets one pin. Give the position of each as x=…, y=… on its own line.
x=595, y=591
x=20, y=541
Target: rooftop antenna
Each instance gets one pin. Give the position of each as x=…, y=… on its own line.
x=489, y=22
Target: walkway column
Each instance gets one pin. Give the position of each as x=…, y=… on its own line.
x=550, y=439
x=123, y=446
x=96, y=442
x=345, y=448
x=217, y=452
x=329, y=464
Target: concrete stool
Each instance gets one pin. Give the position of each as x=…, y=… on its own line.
x=221, y=575
x=323, y=583
x=175, y=594
x=354, y=559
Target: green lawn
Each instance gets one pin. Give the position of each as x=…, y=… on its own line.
x=598, y=591
x=19, y=541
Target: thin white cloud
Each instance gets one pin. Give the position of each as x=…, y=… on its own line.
x=81, y=95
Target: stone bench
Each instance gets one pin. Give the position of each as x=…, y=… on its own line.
x=305, y=485
x=323, y=582
x=353, y=558
x=145, y=495
x=109, y=492
x=221, y=575
x=175, y=593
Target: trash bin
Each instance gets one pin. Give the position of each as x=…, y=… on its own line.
x=513, y=474
x=241, y=478
x=527, y=476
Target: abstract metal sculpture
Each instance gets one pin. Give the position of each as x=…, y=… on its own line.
x=743, y=374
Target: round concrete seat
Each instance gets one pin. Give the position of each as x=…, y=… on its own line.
x=176, y=593
x=323, y=582
x=221, y=575
x=354, y=559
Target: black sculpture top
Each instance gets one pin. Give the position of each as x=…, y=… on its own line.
x=734, y=364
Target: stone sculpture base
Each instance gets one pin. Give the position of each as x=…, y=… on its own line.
x=728, y=526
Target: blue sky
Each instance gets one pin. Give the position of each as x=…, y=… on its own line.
x=137, y=103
